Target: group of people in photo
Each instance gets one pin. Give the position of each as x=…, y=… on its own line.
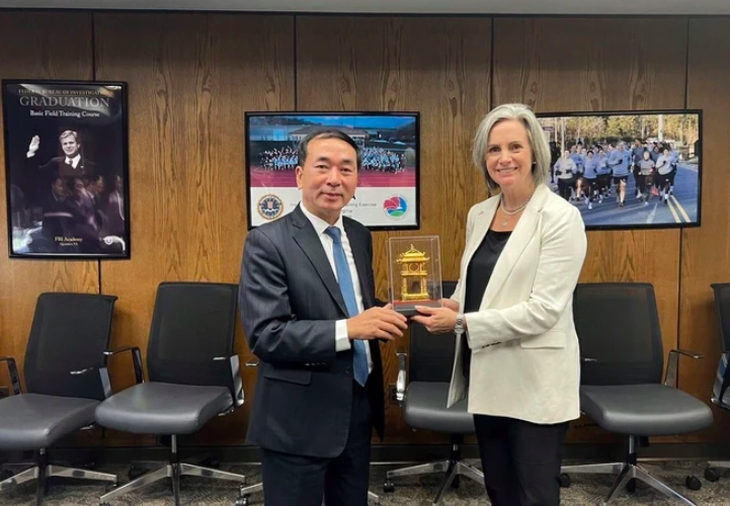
x=591, y=174
x=374, y=159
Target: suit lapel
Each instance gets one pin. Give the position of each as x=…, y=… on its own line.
x=358, y=246
x=306, y=237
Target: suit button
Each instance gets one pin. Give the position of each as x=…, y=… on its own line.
x=348, y=369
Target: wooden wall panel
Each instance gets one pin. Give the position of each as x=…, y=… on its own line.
x=191, y=77
x=439, y=67
x=582, y=64
x=706, y=250
x=38, y=46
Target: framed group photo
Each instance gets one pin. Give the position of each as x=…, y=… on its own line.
x=66, y=169
x=387, y=196
x=628, y=170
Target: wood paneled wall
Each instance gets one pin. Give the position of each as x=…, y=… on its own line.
x=192, y=76
x=40, y=46
x=705, y=252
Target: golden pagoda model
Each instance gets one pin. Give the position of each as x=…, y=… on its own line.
x=414, y=274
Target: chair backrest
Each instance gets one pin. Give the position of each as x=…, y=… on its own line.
x=722, y=303
x=431, y=357
x=618, y=326
x=192, y=334
x=69, y=333
x=722, y=377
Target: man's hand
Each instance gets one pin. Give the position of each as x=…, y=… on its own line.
x=35, y=143
x=436, y=319
x=377, y=323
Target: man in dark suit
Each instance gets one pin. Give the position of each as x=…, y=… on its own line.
x=309, y=311
x=71, y=164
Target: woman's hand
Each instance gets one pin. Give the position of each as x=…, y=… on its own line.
x=436, y=319
x=451, y=304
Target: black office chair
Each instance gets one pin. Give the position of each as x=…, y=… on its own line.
x=193, y=375
x=424, y=403
x=621, y=378
x=65, y=354
x=720, y=396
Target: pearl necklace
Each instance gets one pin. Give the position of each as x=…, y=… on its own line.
x=511, y=213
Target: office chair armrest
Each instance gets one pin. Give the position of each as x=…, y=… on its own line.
x=13, y=371
x=400, y=385
x=136, y=360
x=231, y=375
x=670, y=377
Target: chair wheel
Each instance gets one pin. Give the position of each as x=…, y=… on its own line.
x=631, y=486
x=711, y=474
x=135, y=472
x=564, y=480
x=693, y=483
x=241, y=501
x=211, y=462
x=388, y=486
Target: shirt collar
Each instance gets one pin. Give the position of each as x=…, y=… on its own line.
x=74, y=161
x=318, y=223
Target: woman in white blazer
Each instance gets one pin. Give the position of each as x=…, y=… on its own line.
x=517, y=350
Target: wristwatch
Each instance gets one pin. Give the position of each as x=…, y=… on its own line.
x=459, y=326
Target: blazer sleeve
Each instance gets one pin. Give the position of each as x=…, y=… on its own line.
x=563, y=250
x=469, y=227
x=274, y=333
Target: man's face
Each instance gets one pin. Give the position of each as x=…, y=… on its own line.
x=58, y=188
x=70, y=146
x=328, y=177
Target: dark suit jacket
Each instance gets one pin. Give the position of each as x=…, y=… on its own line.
x=290, y=300
x=56, y=167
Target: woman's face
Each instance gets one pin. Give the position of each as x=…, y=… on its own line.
x=646, y=155
x=509, y=155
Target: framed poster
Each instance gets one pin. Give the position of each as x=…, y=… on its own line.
x=628, y=170
x=387, y=196
x=66, y=169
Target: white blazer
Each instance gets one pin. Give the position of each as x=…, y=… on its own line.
x=525, y=361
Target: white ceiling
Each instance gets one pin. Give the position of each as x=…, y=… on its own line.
x=555, y=7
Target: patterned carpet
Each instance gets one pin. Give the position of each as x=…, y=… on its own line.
x=585, y=490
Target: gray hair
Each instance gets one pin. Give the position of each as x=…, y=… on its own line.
x=535, y=135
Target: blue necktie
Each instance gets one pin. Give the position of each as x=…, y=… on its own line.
x=359, y=358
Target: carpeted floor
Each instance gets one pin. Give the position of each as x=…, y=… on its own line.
x=585, y=490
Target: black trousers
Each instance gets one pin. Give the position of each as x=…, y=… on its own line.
x=296, y=480
x=521, y=460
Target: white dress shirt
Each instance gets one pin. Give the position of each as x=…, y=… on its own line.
x=74, y=162
x=342, y=339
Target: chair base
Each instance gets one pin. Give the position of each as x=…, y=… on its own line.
x=43, y=472
x=626, y=471
x=452, y=469
x=175, y=471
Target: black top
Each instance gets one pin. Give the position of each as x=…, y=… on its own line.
x=478, y=273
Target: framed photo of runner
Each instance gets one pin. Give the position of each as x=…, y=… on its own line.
x=387, y=196
x=628, y=169
x=66, y=169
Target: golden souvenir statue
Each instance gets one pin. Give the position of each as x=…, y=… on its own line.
x=414, y=273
